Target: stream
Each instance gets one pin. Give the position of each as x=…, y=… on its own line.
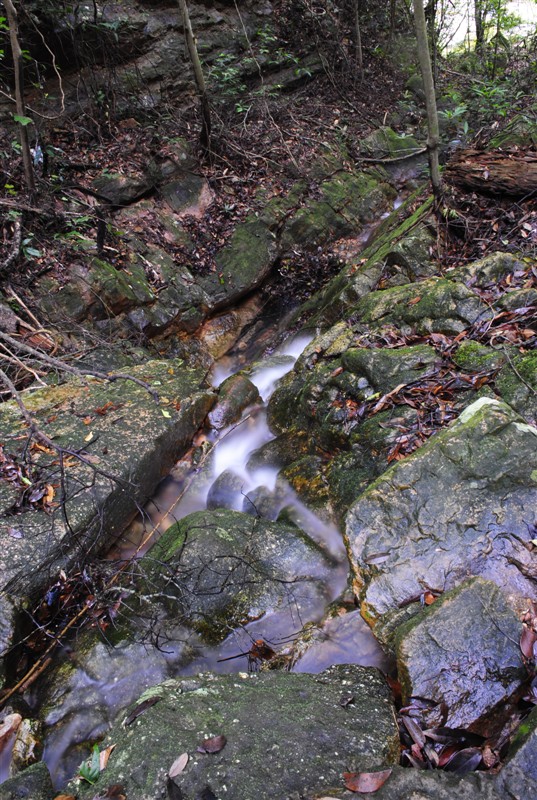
x=80, y=709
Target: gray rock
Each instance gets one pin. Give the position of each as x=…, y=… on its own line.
x=463, y=651
x=416, y=784
x=215, y=570
x=234, y=395
x=33, y=783
x=287, y=735
x=227, y=491
x=97, y=507
x=464, y=504
x=518, y=778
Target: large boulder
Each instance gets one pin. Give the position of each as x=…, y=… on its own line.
x=462, y=654
x=127, y=443
x=463, y=504
x=216, y=570
x=288, y=735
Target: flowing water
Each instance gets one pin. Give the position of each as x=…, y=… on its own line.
x=100, y=689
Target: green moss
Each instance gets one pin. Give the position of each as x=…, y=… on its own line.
x=475, y=357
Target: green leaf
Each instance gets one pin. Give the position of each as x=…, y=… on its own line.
x=22, y=120
x=165, y=413
x=90, y=770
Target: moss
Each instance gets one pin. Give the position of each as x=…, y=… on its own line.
x=475, y=357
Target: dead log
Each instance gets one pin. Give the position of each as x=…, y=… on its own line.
x=494, y=172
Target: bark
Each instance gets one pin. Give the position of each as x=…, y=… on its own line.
x=433, y=136
x=513, y=174
x=479, y=16
x=205, y=136
x=358, y=38
x=11, y=14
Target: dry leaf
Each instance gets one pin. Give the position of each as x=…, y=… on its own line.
x=213, y=745
x=140, y=708
x=9, y=725
x=89, y=437
x=114, y=792
x=364, y=782
x=104, y=755
x=178, y=765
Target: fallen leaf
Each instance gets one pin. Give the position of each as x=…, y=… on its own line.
x=9, y=725
x=364, y=782
x=213, y=745
x=15, y=533
x=165, y=413
x=104, y=755
x=65, y=797
x=140, y=708
x=464, y=761
x=178, y=765
x=89, y=437
x=414, y=301
x=528, y=639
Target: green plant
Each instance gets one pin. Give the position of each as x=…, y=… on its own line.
x=28, y=250
x=90, y=770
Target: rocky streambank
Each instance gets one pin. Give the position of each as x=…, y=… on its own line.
x=408, y=421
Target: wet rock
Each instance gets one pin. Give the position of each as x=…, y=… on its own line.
x=33, y=783
x=474, y=357
x=95, y=290
x=242, y=264
x=410, y=259
x=348, y=201
x=462, y=652
x=518, y=777
x=227, y=491
x=235, y=394
x=86, y=693
x=461, y=505
x=220, y=333
x=416, y=784
x=286, y=734
x=386, y=369
x=219, y=569
x=98, y=420
x=358, y=279
x=187, y=194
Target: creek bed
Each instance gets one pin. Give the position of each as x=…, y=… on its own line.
x=81, y=706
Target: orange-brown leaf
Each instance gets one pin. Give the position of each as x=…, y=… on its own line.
x=364, y=782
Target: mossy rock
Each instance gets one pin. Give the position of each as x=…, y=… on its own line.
x=517, y=384
x=386, y=143
x=432, y=306
x=219, y=569
x=475, y=357
x=303, y=742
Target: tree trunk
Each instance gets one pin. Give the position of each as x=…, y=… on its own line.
x=358, y=53
x=513, y=174
x=433, y=135
x=11, y=13
x=205, y=135
x=479, y=17
x=392, y=19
